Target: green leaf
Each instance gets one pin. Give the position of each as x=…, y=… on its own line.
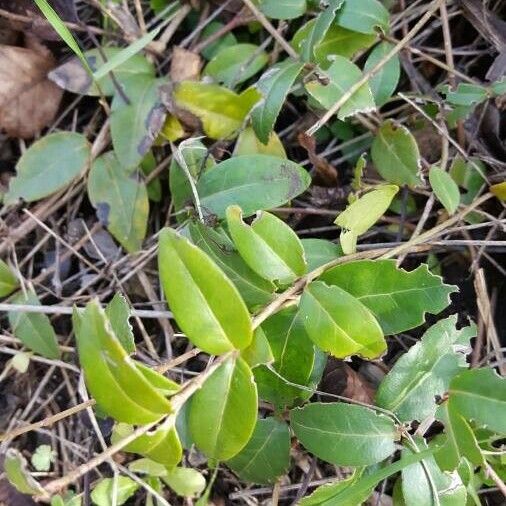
x=249, y=144
x=235, y=64
x=395, y=155
x=136, y=125
x=252, y=182
x=259, y=351
x=185, y=482
x=266, y=457
x=269, y=246
x=283, y=9
x=445, y=189
x=480, y=395
x=118, y=313
x=15, y=467
x=47, y=166
x=318, y=252
x=215, y=47
x=74, y=77
x=344, y=434
x=103, y=493
x=274, y=86
x=43, y=457
x=8, y=281
x=121, y=201
x=384, y=82
x=221, y=111
x=364, y=16
x=255, y=290
x=318, y=29
x=342, y=75
x=112, y=378
x=147, y=466
x=34, y=330
x=466, y=94
x=339, y=323
x=397, y=298
x=425, y=371
x=294, y=359
x=164, y=385
x=223, y=413
x=468, y=177
x=195, y=288
x=161, y=445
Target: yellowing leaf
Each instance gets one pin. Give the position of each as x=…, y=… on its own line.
x=499, y=190
x=172, y=129
x=249, y=144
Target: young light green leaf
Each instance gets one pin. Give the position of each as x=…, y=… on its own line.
x=120, y=199
x=118, y=313
x=259, y=351
x=112, y=378
x=425, y=371
x=397, y=298
x=236, y=64
x=252, y=182
x=159, y=382
x=384, y=82
x=445, y=189
x=21, y=361
x=480, y=395
x=344, y=434
x=136, y=125
x=223, y=413
x=73, y=77
x=195, y=288
x=342, y=75
x=269, y=246
x=103, y=493
x=318, y=252
x=48, y=165
x=221, y=111
x=34, y=330
x=267, y=455
x=255, y=290
x=274, y=86
x=283, y=9
x=339, y=323
x=185, y=482
x=147, y=466
x=364, y=16
x=249, y=144
x=8, y=281
x=15, y=467
x=395, y=155
x=43, y=457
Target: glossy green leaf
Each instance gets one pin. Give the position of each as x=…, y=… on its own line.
x=112, y=378
x=73, y=77
x=266, y=457
x=395, y=155
x=236, y=64
x=8, y=281
x=161, y=445
x=223, y=413
x=121, y=201
x=34, y=330
x=259, y=351
x=185, y=482
x=47, y=166
x=384, y=82
x=344, y=434
x=221, y=111
x=365, y=16
x=269, y=246
x=118, y=314
x=273, y=86
x=195, y=288
x=161, y=383
x=249, y=144
x=215, y=47
x=398, y=299
x=103, y=492
x=318, y=252
x=252, y=182
x=255, y=290
x=339, y=323
x=15, y=467
x=136, y=125
x=480, y=395
x=283, y=9
x=445, y=189
x=342, y=75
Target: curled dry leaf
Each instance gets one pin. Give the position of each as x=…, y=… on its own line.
x=185, y=65
x=326, y=172
x=28, y=100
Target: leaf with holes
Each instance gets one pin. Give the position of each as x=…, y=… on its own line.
x=118, y=313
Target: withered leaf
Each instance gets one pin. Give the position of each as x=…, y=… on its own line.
x=185, y=65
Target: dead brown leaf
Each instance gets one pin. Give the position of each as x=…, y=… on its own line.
x=326, y=174
x=28, y=100
x=185, y=65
